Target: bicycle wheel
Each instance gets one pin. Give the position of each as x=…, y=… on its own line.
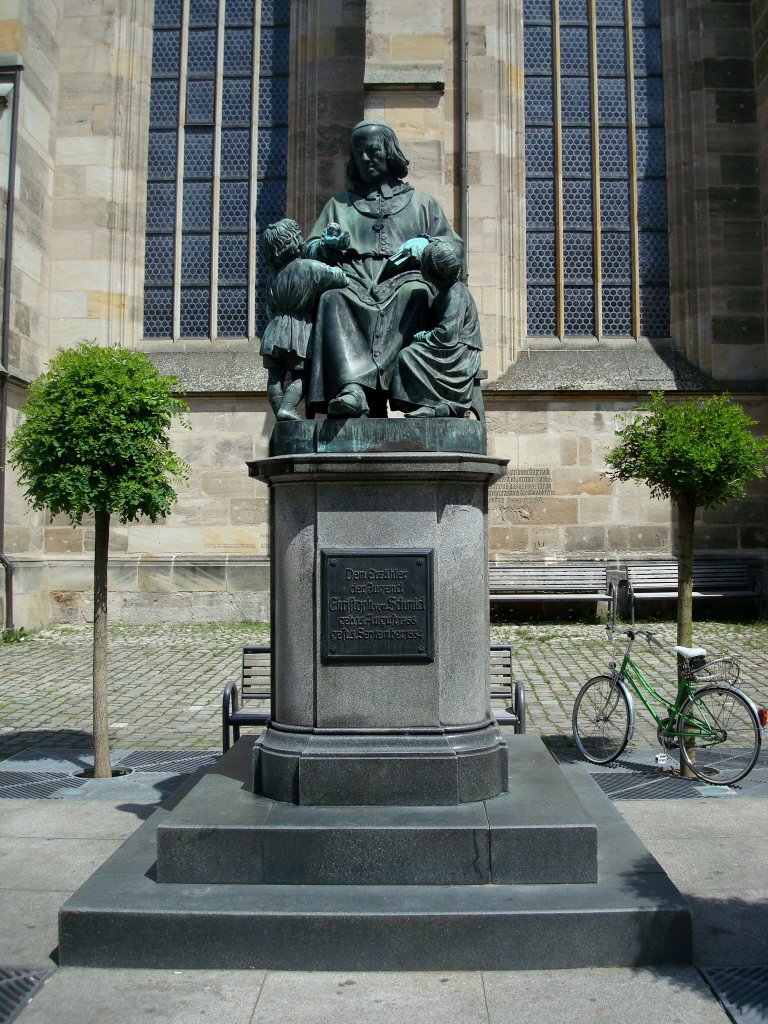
x=719, y=735
x=602, y=719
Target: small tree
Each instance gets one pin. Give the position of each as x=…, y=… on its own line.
x=94, y=438
x=698, y=453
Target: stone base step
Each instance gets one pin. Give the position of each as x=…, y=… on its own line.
x=633, y=915
x=538, y=832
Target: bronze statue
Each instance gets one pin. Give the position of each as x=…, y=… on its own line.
x=376, y=232
x=292, y=293
x=435, y=373
x=374, y=299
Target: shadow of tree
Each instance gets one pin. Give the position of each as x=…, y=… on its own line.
x=44, y=739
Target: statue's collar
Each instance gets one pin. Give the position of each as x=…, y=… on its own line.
x=386, y=189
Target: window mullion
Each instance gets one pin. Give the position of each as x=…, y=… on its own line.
x=597, y=232
x=216, y=183
x=558, y=142
x=253, y=171
x=180, y=143
x=632, y=143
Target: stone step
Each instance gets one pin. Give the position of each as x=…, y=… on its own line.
x=633, y=915
x=538, y=832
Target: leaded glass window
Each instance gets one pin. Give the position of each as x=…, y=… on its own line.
x=597, y=261
x=218, y=141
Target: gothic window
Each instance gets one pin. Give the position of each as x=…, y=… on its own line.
x=218, y=141
x=597, y=261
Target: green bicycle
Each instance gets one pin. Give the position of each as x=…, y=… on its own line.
x=716, y=727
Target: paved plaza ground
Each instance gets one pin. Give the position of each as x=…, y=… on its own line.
x=165, y=687
x=166, y=681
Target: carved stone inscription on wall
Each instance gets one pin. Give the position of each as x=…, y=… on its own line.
x=511, y=498
x=377, y=606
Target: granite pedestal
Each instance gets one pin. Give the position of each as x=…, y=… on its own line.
x=380, y=642
x=381, y=821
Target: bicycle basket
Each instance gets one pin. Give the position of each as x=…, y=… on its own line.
x=718, y=670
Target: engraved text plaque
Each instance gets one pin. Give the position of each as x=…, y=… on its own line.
x=377, y=606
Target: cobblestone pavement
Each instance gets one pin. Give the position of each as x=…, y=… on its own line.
x=166, y=681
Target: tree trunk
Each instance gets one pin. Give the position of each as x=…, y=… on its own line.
x=686, y=514
x=102, y=768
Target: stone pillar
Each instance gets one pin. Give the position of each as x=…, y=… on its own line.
x=380, y=636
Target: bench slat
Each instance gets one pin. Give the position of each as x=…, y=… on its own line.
x=718, y=578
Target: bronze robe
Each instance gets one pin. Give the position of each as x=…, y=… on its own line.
x=439, y=368
x=360, y=329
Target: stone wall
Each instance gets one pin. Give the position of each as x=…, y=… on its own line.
x=760, y=26
x=716, y=266
x=97, y=250
x=34, y=32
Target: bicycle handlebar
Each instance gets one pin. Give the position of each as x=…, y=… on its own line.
x=650, y=637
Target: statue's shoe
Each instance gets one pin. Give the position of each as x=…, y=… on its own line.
x=287, y=414
x=428, y=410
x=350, y=402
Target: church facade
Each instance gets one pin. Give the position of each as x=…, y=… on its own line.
x=606, y=162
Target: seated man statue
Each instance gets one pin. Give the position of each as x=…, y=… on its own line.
x=376, y=233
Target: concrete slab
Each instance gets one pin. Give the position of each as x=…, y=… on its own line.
x=124, y=997
x=51, y=863
x=29, y=925
x=417, y=998
x=716, y=857
x=607, y=996
x=59, y=819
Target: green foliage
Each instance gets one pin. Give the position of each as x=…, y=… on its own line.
x=14, y=636
x=697, y=451
x=95, y=436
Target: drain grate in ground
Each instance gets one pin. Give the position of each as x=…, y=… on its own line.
x=743, y=991
x=637, y=786
x=53, y=774
x=167, y=760
x=17, y=986
x=33, y=786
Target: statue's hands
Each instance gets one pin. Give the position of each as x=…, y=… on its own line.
x=336, y=238
x=412, y=249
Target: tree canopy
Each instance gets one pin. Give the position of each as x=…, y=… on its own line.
x=700, y=450
x=94, y=436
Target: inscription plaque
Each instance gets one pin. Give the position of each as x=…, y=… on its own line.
x=377, y=606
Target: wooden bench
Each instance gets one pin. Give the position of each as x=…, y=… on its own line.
x=506, y=690
x=254, y=690
x=712, y=578
x=551, y=581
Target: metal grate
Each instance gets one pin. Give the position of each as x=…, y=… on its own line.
x=167, y=760
x=743, y=991
x=638, y=786
x=39, y=786
x=164, y=770
x=17, y=986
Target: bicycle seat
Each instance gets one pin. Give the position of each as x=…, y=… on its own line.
x=690, y=652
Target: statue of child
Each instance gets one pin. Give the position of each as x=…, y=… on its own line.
x=293, y=290
x=435, y=373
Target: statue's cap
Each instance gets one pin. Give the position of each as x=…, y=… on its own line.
x=372, y=123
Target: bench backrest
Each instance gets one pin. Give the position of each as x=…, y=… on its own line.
x=543, y=577
x=256, y=675
x=256, y=679
x=501, y=669
x=721, y=574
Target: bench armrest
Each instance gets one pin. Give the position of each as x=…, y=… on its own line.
x=230, y=705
